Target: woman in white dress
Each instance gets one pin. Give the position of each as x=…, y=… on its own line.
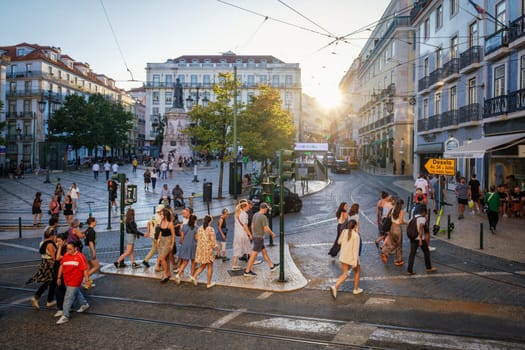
x=241, y=235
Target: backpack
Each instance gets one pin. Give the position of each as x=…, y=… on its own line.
x=386, y=223
x=412, y=232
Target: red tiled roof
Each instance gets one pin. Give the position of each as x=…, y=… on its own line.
x=229, y=58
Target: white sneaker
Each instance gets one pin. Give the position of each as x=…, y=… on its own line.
x=34, y=302
x=431, y=249
x=236, y=268
x=51, y=303
x=62, y=320
x=211, y=285
x=58, y=313
x=358, y=291
x=83, y=308
x=257, y=262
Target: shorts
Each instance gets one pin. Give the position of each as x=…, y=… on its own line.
x=87, y=253
x=131, y=238
x=36, y=211
x=463, y=201
x=258, y=244
x=475, y=197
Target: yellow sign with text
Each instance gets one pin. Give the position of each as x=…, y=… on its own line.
x=440, y=166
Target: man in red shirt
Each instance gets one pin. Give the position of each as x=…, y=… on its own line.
x=73, y=267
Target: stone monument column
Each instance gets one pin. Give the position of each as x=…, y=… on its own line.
x=177, y=120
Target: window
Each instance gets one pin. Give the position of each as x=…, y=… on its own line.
x=27, y=86
x=28, y=67
x=206, y=80
x=425, y=67
x=438, y=58
x=156, y=80
x=501, y=15
x=499, y=80
x=168, y=97
x=425, y=108
x=193, y=79
x=426, y=29
x=454, y=43
x=473, y=34
x=275, y=80
x=251, y=80
x=181, y=78
x=12, y=86
x=263, y=79
x=454, y=7
x=437, y=103
x=453, y=98
x=288, y=80
x=155, y=97
x=439, y=17
x=472, y=92
x=20, y=52
x=522, y=72
x=169, y=80
x=27, y=105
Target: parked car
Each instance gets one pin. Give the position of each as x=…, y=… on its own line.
x=341, y=166
x=329, y=159
x=292, y=201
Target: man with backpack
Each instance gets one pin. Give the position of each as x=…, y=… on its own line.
x=415, y=232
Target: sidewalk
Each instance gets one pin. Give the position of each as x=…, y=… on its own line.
x=507, y=243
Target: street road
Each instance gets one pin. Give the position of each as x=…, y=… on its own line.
x=472, y=301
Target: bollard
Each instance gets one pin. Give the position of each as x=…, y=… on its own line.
x=480, y=235
x=19, y=227
x=154, y=210
x=448, y=226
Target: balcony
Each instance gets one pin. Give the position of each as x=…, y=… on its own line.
x=496, y=45
x=469, y=113
x=449, y=118
x=517, y=33
x=435, y=77
x=495, y=106
x=20, y=115
x=450, y=70
x=470, y=59
x=423, y=84
x=517, y=100
x=422, y=125
x=417, y=8
x=433, y=122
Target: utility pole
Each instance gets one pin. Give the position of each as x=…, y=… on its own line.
x=235, y=150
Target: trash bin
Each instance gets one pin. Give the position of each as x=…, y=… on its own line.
x=206, y=191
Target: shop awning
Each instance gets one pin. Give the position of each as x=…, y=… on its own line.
x=477, y=148
x=435, y=147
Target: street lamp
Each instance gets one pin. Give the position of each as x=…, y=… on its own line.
x=41, y=108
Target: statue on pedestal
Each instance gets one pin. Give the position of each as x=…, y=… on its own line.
x=177, y=95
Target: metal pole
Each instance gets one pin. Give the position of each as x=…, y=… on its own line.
x=19, y=227
x=235, y=150
x=109, y=210
x=480, y=235
x=47, y=181
x=448, y=226
x=281, y=219
x=122, y=180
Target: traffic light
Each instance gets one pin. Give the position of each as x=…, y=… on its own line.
x=268, y=188
x=112, y=186
x=287, y=162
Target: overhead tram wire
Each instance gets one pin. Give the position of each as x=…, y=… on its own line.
x=250, y=38
x=116, y=41
x=308, y=19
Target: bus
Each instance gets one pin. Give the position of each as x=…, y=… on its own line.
x=350, y=155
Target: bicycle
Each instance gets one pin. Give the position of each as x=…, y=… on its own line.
x=437, y=226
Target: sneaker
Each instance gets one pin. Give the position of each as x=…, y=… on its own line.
x=358, y=291
x=177, y=279
x=411, y=273
x=83, y=308
x=432, y=269
x=164, y=280
x=58, y=313
x=145, y=263
x=194, y=281
x=333, y=291
x=236, y=268
x=51, y=303
x=243, y=258
x=134, y=265
x=399, y=263
x=257, y=262
x=250, y=274
x=122, y=265
x=431, y=249
x=34, y=302
x=224, y=259
x=211, y=285
x=384, y=258
x=274, y=267
x=116, y=264
x=62, y=320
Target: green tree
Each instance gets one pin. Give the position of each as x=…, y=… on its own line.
x=265, y=126
x=213, y=123
x=91, y=123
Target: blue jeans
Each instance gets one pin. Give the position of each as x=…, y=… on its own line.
x=73, y=294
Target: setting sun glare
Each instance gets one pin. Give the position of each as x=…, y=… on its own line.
x=328, y=98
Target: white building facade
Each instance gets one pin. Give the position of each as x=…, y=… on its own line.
x=199, y=73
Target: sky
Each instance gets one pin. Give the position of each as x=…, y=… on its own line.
x=146, y=31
